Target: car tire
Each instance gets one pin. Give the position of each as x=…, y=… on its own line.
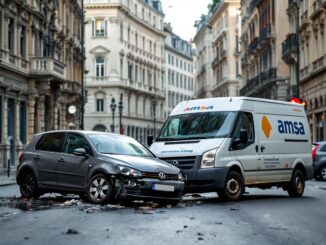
x=297, y=184
x=322, y=173
x=233, y=187
x=100, y=190
x=28, y=185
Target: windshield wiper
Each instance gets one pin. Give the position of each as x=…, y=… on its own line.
x=166, y=139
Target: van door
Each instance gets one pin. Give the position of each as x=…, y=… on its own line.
x=246, y=152
x=276, y=162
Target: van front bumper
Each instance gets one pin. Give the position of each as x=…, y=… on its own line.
x=207, y=180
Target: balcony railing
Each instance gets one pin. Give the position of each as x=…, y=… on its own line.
x=266, y=32
x=253, y=45
x=289, y=45
x=47, y=66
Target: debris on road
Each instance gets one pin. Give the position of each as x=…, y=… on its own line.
x=72, y=232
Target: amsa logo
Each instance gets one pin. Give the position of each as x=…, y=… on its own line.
x=199, y=108
x=289, y=127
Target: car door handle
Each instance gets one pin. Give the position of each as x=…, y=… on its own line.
x=262, y=148
x=61, y=160
x=37, y=157
x=257, y=148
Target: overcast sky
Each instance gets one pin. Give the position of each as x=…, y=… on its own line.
x=182, y=14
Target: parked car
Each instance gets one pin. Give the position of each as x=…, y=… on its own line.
x=319, y=160
x=100, y=166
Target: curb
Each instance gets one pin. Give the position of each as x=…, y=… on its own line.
x=8, y=184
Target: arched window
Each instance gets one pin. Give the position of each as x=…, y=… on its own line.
x=100, y=67
x=100, y=128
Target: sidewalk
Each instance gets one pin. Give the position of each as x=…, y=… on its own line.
x=5, y=180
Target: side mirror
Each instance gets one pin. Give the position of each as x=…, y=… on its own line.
x=150, y=140
x=80, y=152
x=243, y=138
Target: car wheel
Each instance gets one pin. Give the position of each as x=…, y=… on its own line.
x=99, y=189
x=297, y=184
x=233, y=187
x=28, y=185
x=322, y=173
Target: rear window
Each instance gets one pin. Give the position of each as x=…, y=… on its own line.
x=323, y=148
x=51, y=142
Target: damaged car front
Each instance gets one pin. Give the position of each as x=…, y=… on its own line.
x=135, y=172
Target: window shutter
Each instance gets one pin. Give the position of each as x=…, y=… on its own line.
x=93, y=28
x=105, y=27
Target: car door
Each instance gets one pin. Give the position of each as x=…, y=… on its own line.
x=246, y=153
x=47, y=152
x=72, y=169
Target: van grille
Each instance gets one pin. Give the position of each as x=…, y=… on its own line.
x=181, y=162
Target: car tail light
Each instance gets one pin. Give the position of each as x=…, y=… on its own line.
x=21, y=157
x=314, y=150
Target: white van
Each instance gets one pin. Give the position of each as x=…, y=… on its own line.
x=225, y=144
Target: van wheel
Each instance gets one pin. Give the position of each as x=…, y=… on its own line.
x=297, y=184
x=28, y=185
x=322, y=173
x=233, y=187
x=99, y=189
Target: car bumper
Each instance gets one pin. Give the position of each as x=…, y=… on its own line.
x=207, y=180
x=151, y=189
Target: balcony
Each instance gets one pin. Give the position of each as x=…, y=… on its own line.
x=45, y=66
x=304, y=19
x=319, y=64
x=253, y=45
x=72, y=87
x=101, y=1
x=289, y=49
x=266, y=33
x=317, y=8
x=218, y=59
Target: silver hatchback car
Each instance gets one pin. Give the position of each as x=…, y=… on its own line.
x=101, y=167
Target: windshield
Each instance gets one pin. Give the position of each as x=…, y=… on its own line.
x=197, y=126
x=119, y=145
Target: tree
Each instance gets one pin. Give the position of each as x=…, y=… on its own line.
x=214, y=2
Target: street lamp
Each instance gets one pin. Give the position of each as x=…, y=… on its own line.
x=297, y=5
x=120, y=113
x=154, y=103
x=113, y=105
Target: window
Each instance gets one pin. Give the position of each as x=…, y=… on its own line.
x=100, y=28
x=99, y=105
x=11, y=35
x=245, y=121
x=323, y=148
x=23, y=122
x=51, y=142
x=100, y=67
x=75, y=141
x=23, y=41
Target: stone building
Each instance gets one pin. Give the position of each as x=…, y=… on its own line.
x=179, y=70
x=312, y=29
x=40, y=70
x=225, y=26
x=264, y=28
x=125, y=59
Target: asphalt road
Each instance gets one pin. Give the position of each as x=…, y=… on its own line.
x=262, y=217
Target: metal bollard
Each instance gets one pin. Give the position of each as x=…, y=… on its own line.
x=8, y=168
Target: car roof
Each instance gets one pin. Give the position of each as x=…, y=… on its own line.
x=85, y=132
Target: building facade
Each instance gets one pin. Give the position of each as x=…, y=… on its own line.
x=264, y=28
x=226, y=30
x=40, y=70
x=125, y=59
x=179, y=70
x=204, y=58
x=312, y=29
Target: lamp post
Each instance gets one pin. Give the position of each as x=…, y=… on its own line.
x=297, y=5
x=82, y=109
x=120, y=114
x=154, y=103
x=113, y=106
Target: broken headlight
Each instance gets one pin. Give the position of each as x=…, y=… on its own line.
x=130, y=172
x=180, y=176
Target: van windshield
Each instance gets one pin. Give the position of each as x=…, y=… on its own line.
x=197, y=126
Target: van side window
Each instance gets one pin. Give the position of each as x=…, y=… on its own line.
x=245, y=121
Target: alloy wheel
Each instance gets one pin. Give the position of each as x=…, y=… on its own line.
x=99, y=189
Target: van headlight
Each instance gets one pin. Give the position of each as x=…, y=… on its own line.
x=208, y=159
x=130, y=172
x=180, y=176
